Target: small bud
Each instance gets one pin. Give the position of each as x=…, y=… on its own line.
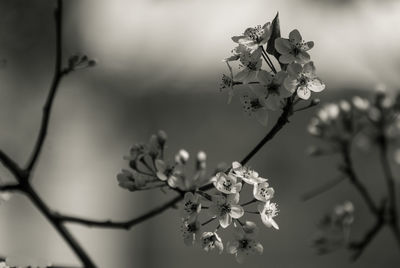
x=162, y=137
x=345, y=106
x=182, y=157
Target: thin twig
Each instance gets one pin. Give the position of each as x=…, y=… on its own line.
x=58, y=74
x=10, y=164
x=121, y=224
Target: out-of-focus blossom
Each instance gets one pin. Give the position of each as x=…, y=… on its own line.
x=190, y=231
x=191, y=206
x=244, y=243
x=254, y=105
x=211, y=241
x=251, y=64
x=131, y=181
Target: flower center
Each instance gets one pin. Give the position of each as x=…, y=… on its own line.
x=244, y=244
x=255, y=104
x=273, y=88
x=255, y=33
x=227, y=185
x=303, y=80
x=190, y=206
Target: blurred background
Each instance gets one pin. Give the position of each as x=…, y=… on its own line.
x=160, y=68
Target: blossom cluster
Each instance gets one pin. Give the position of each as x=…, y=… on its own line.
x=223, y=205
x=268, y=89
x=360, y=120
x=334, y=228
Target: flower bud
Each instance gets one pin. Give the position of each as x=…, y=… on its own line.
x=162, y=137
x=182, y=157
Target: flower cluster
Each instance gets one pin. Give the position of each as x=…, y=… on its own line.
x=149, y=169
x=222, y=204
x=360, y=120
x=269, y=89
x=334, y=229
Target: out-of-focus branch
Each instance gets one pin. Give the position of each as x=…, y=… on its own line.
x=10, y=188
x=120, y=224
x=322, y=189
x=359, y=247
x=10, y=164
x=360, y=187
x=390, y=182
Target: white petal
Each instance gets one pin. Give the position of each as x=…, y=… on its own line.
x=225, y=220
x=316, y=85
x=236, y=212
x=287, y=58
x=283, y=45
x=262, y=116
x=303, y=93
x=295, y=36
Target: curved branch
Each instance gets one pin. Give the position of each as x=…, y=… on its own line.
x=10, y=164
x=58, y=74
x=120, y=224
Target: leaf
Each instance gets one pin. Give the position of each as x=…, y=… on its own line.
x=275, y=33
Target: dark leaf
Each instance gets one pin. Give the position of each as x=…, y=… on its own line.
x=276, y=33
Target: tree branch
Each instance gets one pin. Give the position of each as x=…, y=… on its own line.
x=349, y=169
x=120, y=224
x=10, y=164
x=58, y=74
x=10, y=188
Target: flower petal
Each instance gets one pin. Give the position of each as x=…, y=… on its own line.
x=303, y=93
x=262, y=116
x=225, y=220
x=282, y=45
x=287, y=58
x=316, y=85
x=236, y=212
x=295, y=36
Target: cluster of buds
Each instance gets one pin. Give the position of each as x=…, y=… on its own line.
x=149, y=169
x=80, y=61
x=222, y=205
x=269, y=89
x=334, y=229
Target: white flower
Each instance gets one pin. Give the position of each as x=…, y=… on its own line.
x=244, y=243
x=164, y=171
x=255, y=37
x=190, y=231
x=226, y=208
x=262, y=192
x=191, y=206
x=360, y=103
x=268, y=211
x=272, y=88
x=246, y=174
x=131, y=180
x=211, y=241
x=227, y=184
x=254, y=105
x=303, y=79
x=251, y=64
x=293, y=49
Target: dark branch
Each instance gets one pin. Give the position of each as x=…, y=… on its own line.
x=282, y=120
x=121, y=224
x=10, y=188
x=10, y=164
x=359, y=247
x=58, y=74
x=349, y=170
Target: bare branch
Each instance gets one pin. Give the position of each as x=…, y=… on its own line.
x=10, y=164
x=10, y=188
x=58, y=74
x=121, y=224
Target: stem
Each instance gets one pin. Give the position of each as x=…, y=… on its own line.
x=282, y=120
x=10, y=188
x=58, y=74
x=208, y=221
x=268, y=60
